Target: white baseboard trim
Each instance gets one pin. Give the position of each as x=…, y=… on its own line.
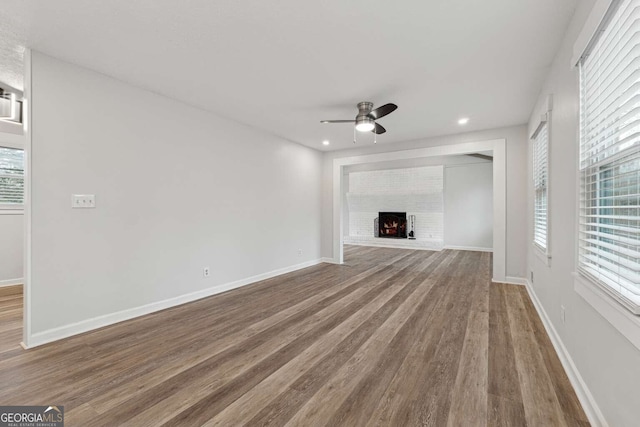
x=587, y=400
x=511, y=280
x=328, y=260
x=66, y=331
x=11, y=282
x=515, y=280
x=468, y=248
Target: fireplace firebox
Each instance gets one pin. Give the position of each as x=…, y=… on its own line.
x=392, y=225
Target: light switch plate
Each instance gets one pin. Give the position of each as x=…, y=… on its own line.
x=83, y=201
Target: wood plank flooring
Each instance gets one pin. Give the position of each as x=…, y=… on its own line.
x=392, y=338
x=10, y=318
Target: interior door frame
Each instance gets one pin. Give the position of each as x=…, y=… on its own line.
x=19, y=141
x=496, y=146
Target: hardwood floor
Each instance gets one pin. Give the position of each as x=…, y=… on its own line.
x=392, y=338
x=10, y=318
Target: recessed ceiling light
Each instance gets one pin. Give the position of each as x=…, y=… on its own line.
x=463, y=121
x=325, y=142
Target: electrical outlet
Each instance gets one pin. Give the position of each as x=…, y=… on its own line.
x=562, y=313
x=83, y=201
x=299, y=251
x=206, y=272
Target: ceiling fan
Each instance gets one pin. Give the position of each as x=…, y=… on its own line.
x=365, y=121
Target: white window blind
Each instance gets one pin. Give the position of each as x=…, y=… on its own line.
x=11, y=177
x=540, y=182
x=609, y=238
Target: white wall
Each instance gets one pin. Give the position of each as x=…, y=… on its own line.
x=516, y=137
x=607, y=362
x=177, y=189
x=450, y=160
x=11, y=248
x=468, y=206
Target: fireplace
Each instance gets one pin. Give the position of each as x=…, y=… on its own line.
x=392, y=225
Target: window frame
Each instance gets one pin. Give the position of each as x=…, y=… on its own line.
x=543, y=112
x=14, y=142
x=543, y=252
x=620, y=311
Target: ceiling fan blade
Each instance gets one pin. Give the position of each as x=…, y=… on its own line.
x=337, y=121
x=378, y=129
x=382, y=111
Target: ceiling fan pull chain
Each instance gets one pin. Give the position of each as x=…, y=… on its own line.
x=354, y=134
x=375, y=138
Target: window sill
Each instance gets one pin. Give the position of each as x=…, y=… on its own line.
x=614, y=312
x=542, y=255
x=11, y=211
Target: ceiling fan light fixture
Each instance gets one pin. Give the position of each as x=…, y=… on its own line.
x=364, y=124
x=366, y=119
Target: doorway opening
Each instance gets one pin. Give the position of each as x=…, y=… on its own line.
x=467, y=213
x=440, y=202
x=12, y=224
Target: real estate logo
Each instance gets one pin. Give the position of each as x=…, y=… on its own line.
x=31, y=416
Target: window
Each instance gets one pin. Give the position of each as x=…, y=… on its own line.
x=10, y=107
x=540, y=185
x=11, y=178
x=609, y=237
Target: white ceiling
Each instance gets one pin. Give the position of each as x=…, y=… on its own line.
x=282, y=66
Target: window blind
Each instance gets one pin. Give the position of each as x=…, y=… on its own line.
x=11, y=176
x=609, y=237
x=540, y=182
